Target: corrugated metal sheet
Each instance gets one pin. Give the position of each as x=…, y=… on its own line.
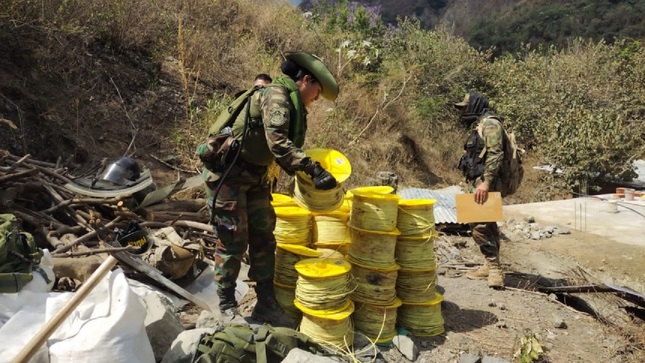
x=445, y=209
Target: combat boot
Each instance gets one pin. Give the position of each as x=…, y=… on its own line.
x=495, y=274
x=228, y=307
x=481, y=273
x=267, y=310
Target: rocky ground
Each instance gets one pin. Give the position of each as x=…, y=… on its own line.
x=481, y=323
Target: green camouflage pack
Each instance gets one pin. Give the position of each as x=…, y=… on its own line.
x=18, y=255
x=240, y=344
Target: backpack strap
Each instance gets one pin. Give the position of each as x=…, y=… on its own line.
x=260, y=343
x=12, y=282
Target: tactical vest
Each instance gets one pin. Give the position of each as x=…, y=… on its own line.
x=473, y=163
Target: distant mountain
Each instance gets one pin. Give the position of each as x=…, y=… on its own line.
x=506, y=24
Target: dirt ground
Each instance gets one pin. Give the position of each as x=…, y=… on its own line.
x=571, y=328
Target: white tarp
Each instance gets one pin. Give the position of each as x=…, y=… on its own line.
x=107, y=326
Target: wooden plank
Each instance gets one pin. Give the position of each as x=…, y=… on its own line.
x=156, y=275
x=470, y=212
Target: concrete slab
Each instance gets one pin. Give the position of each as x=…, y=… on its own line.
x=590, y=214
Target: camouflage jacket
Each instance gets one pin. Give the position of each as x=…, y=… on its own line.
x=491, y=132
x=271, y=132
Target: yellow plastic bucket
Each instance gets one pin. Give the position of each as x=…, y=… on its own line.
x=375, y=249
x=282, y=200
x=416, y=217
x=323, y=201
x=374, y=212
x=332, y=329
x=293, y=225
x=416, y=252
x=416, y=286
x=374, y=286
x=377, y=322
x=286, y=256
x=330, y=227
x=285, y=295
x=422, y=319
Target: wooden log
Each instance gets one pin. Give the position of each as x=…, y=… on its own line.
x=175, y=205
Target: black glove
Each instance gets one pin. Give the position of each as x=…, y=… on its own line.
x=323, y=179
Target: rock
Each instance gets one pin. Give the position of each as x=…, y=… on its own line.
x=549, y=229
x=492, y=303
x=489, y=359
x=302, y=356
x=469, y=358
x=529, y=219
x=207, y=320
x=162, y=324
x=501, y=324
x=501, y=306
x=183, y=348
x=534, y=226
x=406, y=346
x=553, y=297
x=535, y=235
x=441, y=271
x=561, y=230
x=559, y=323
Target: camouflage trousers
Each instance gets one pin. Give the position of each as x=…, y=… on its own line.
x=486, y=235
x=243, y=219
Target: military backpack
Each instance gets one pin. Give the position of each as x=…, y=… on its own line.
x=511, y=171
x=241, y=344
x=19, y=255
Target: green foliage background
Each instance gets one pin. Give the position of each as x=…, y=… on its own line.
x=578, y=107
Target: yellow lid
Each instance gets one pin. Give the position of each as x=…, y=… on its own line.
x=299, y=250
x=437, y=299
x=418, y=203
x=336, y=314
x=333, y=161
x=282, y=200
x=291, y=211
x=369, y=195
x=376, y=189
x=395, y=232
x=323, y=267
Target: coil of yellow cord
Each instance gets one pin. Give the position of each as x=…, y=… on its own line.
x=416, y=217
x=416, y=286
x=374, y=286
x=422, y=319
x=374, y=212
x=293, y=225
x=372, y=248
x=323, y=283
x=330, y=227
x=331, y=329
x=416, y=252
x=377, y=322
x=286, y=257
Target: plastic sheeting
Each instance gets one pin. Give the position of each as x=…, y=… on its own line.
x=107, y=326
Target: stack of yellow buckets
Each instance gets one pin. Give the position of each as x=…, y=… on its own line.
x=373, y=233
x=416, y=284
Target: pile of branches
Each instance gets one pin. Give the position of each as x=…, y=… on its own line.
x=60, y=221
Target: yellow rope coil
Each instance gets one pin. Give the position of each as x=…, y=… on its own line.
x=331, y=227
x=342, y=247
x=377, y=322
x=372, y=248
x=329, y=253
x=282, y=200
x=285, y=295
x=286, y=257
x=416, y=252
x=416, y=286
x=293, y=225
x=416, y=217
x=374, y=212
x=316, y=200
x=334, y=330
x=422, y=319
x=374, y=286
x=323, y=294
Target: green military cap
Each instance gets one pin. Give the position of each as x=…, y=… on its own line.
x=315, y=65
x=465, y=102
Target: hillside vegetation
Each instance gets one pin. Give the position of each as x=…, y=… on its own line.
x=87, y=80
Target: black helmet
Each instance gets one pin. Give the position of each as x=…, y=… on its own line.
x=122, y=171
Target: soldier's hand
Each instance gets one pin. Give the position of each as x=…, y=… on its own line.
x=481, y=193
x=322, y=179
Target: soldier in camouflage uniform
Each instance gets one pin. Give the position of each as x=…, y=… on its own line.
x=481, y=165
x=243, y=215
